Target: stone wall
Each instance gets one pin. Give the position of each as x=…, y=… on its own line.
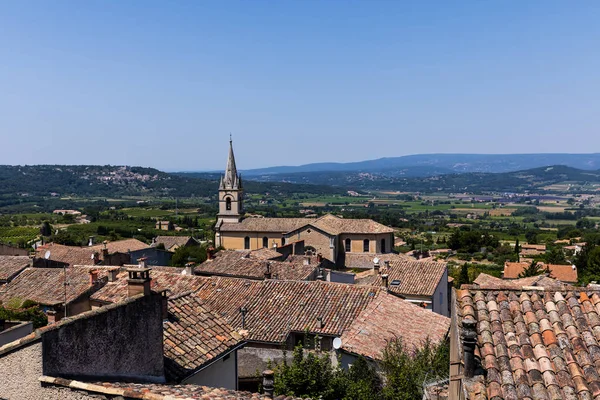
x=315, y=238
x=123, y=341
x=20, y=373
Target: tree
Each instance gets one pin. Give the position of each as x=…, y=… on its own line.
x=556, y=256
x=185, y=254
x=531, y=237
x=518, y=250
x=534, y=269
x=46, y=229
x=463, y=277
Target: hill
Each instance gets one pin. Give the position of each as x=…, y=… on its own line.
x=437, y=164
x=558, y=178
x=111, y=181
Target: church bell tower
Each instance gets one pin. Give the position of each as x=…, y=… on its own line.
x=231, y=196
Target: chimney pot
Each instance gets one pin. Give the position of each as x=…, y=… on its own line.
x=469, y=339
x=189, y=268
x=112, y=275
x=384, y=279
x=52, y=316
x=306, y=260
x=165, y=305
x=142, y=262
x=268, y=383
x=93, y=277
x=320, y=323
x=319, y=258
x=139, y=281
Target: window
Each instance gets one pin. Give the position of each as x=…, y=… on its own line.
x=283, y=241
x=247, y=243
x=265, y=242
x=228, y=204
x=383, y=245
x=348, y=244
x=366, y=245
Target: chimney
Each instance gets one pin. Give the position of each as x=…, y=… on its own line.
x=274, y=245
x=96, y=257
x=268, y=271
x=112, y=275
x=52, y=316
x=210, y=253
x=319, y=258
x=387, y=263
x=306, y=260
x=138, y=282
x=268, y=383
x=93, y=277
x=376, y=268
x=189, y=268
x=243, y=311
x=91, y=242
x=142, y=262
x=384, y=280
x=164, y=304
x=320, y=323
x=320, y=277
x=469, y=339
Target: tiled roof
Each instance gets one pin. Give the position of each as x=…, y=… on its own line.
x=386, y=318
x=12, y=265
x=281, y=225
x=176, y=284
x=536, y=344
x=416, y=278
x=149, y=391
x=46, y=285
x=264, y=254
x=193, y=337
x=335, y=225
x=327, y=223
x=121, y=246
x=171, y=241
x=365, y=260
x=275, y=308
x=565, y=273
x=486, y=281
x=72, y=255
x=240, y=264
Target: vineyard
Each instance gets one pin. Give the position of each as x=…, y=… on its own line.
x=18, y=234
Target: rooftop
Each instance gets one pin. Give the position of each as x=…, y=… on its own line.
x=10, y=266
x=72, y=255
x=486, y=281
x=241, y=264
x=172, y=241
x=384, y=319
x=365, y=260
x=406, y=277
x=121, y=246
x=535, y=344
x=194, y=336
x=564, y=273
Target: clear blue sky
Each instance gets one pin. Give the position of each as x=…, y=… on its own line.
x=162, y=84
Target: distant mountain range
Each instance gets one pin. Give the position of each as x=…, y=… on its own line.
x=439, y=164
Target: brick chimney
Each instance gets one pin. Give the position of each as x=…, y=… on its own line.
x=138, y=282
x=93, y=277
x=53, y=316
x=469, y=339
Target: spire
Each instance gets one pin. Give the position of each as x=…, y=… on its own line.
x=231, y=179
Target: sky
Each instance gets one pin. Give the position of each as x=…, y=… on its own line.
x=163, y=84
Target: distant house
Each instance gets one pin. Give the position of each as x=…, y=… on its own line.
x=165, y=226
x=172, y=243
x=11, y=266
x=532, y=249
x=116, y=252
x=6, y=250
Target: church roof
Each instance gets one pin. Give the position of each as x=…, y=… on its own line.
x=231, y=179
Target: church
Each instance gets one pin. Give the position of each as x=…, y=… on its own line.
x=335, y=239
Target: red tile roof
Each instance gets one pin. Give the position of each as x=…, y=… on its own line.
x=240, y=264
x=486, y=281
x=175, y=284
x=417, y=278
x=280, y=225
x=365, y=260
x=173, y=242
x=194, y=336
x=276, y=308
x=10, y=266
x=564, y=273
x=46, y=285
x=72, y=255
x=535, y=344
x=385, y=319
x=121, y=246
x=156, y=391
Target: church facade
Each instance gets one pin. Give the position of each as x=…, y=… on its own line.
x=330, y=236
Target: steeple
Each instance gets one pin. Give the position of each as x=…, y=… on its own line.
x=231, y=179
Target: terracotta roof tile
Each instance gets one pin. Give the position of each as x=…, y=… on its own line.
x=281, y=225
x=72, y=255
x=486, y=281
x=540, y=343
x=335, y=225
x=241, y=264
x=194, y=336
x=121, y=246
x=564, y=273
x=413, y=277
x=46, y=285
x=384, y=319
x=10, y=266
x=365, y=260
x=172, y=242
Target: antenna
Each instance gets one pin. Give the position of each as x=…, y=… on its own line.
x=337, y=343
